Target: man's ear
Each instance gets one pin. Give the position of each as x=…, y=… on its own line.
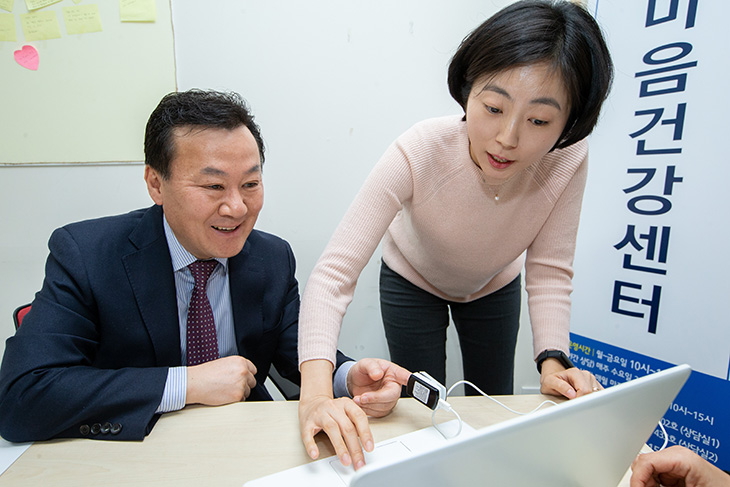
x=154, y=184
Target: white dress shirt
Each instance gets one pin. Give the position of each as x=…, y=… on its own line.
x=219, y=295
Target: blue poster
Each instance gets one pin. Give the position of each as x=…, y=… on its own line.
x=650, y=285
x=698, y=418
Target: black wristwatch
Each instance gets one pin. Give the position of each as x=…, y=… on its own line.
x=562, y=358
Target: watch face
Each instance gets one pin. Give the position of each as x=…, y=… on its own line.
x=562, y=358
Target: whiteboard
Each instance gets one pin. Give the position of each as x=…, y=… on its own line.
x=90, y=97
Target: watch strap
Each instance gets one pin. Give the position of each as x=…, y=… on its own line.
x=557, y=354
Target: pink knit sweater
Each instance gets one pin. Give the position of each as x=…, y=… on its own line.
x=444, y=231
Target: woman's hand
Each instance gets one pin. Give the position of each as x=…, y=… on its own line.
x=571, y=383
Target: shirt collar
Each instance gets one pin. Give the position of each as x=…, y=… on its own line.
x=181, y=258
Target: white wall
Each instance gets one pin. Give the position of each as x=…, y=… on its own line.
x=331, y=83
x=38, y=199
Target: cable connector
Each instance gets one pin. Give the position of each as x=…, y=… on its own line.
x=431, y=393
x=445, y=406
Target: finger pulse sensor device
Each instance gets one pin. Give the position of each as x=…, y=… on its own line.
x=426, y=390
x=432, y=394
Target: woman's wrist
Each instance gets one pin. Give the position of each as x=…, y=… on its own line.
x=316, y=379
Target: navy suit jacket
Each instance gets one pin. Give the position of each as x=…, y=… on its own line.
x=102, y=332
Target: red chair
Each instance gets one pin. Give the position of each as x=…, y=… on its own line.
x=19, y=314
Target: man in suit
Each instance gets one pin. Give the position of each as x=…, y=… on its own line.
x=125, y=328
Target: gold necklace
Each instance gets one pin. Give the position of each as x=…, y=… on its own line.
x=490, y=186
x=494, y=188
x=495, y=191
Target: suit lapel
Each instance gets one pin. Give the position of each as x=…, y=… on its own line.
x=150, y=274
x=246, y=277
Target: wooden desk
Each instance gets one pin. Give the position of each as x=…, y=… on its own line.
x=226, y=445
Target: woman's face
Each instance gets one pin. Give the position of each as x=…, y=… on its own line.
x=514, y=118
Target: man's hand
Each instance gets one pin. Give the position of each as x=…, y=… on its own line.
x=571, y=383
x=375, y=385
x=676, y=466
x=221, y=381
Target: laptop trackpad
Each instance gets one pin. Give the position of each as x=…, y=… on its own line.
x=388, y=451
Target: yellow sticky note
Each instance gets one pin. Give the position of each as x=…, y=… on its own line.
x=82, y=19
x=7, y=5
x=40, y=26
x=7, y=28
x=137, y=10
x=36, y=4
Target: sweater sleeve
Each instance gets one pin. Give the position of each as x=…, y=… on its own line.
x=331, y=285
x=549, y=267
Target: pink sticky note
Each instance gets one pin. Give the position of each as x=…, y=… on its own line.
x=27, y=57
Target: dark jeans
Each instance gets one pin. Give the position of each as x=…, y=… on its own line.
x=415, y=326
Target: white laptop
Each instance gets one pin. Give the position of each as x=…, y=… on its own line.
x=589, y=441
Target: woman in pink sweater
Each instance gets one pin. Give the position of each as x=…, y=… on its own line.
x=462, y=204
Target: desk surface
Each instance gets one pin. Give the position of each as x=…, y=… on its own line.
x=236, y=443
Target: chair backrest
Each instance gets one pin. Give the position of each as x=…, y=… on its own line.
x=289, y=390
x=19, y=314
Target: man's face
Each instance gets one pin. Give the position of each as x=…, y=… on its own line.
x=214, y=192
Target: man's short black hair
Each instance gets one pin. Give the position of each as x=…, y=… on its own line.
x=193, y=108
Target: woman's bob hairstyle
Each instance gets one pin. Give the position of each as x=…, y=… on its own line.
x=558, y=33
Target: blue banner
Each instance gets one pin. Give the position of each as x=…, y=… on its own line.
x=696, y=419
